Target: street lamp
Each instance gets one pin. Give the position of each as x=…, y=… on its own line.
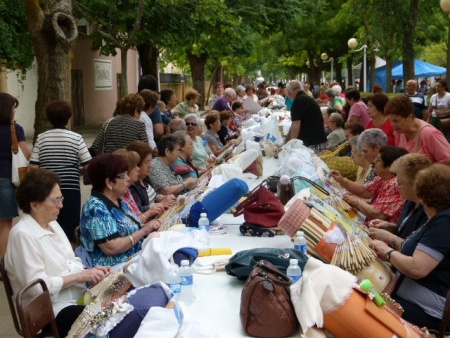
x=352, y=44
x=325, y=59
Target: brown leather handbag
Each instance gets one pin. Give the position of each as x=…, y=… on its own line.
x=266, y=307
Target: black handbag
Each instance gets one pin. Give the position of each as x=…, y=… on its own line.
x=242, y=263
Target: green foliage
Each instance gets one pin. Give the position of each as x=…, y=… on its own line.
x=435, y=54
x=15, y=42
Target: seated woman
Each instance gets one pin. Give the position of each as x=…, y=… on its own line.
x=250, y=93
x=189, y=106
x=162, y=179
x=213, y=125
x=336, y=102
x=375, y=110
x=149, y=213
x=225, y=134
x=413, y=214
x=143, y=193
x=337, y=135
x=422, y=259
x=110, y=232
x=39, y=248
x=386, y=201
x=370, y=142
x=224, y=102
x=184, y=166
x=364, y=167
x=201, y=152
x=415, y=135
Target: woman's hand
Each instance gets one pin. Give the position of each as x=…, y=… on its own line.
x=157, y=209
x=381, y=234
x=337, y=176
x=94, y=275
x=352, y=200
x=380, y=248
x=168, y=201
x=190, y=182
x=151, y=226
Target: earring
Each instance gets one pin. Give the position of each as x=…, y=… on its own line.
x=35, y=210
x=110, y=187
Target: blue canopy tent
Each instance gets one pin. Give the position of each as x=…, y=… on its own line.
x=421, y=69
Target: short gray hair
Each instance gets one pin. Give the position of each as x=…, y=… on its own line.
x=192, y=116
x=330, y=92
x=229, y=92
x=240, y=89
x=337, y=90
x=294, y=85
x=373, y=137
x=337, y=119
x=354, y=141
x=177, y=124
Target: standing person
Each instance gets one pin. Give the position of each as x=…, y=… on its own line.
x=375, y=110
x=439, y=104
x=123, y=129
x=150, y=99
x=8, y=205
x=307, y=119
x=149, y=82
x=63, y=152
x=418, y=99
x=218, y=92
x=358, y=109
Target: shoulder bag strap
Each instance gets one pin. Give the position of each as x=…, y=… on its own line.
x=15, y=144
x=281, y=279
x=416, y=146
x=104, y=134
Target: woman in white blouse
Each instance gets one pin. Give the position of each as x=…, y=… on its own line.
x=38, y=248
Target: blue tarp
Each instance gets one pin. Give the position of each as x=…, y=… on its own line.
x=421, y=69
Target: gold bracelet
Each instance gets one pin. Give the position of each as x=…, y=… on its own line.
x=132, y=240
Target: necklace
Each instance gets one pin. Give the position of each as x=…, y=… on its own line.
x=416, y=231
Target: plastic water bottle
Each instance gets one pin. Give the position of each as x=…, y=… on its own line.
x=203, y=222
x=174, y=281
x=187, y=281
x=300, y=243
x=294, y=271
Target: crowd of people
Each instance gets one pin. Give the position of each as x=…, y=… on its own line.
x=154, y=149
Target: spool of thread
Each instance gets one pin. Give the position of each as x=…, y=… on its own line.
x=215, y=252
x=285, y=189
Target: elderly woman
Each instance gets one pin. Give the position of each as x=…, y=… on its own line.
x=8, y=206
x=337, y=135
x=336, y=102
x=145, y=214
x=189, y=106
x=240, y=93
x=422, y=259
x=63, y=152
x=386, y=200
x=117, y=132
x=213, y=125
x=162, y=179
x=375, y=110
x=194, y=130
x=413, y=214
x=143, y=193
x=369, y=143
x=364, y=167
x=110, y=231
x=415, y=135
x=184, y=166
x=38, y=248
x=224, y=102
x=218, y=92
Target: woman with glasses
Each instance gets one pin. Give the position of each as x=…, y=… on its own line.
x=386, y=202
x=213, y=125
x=110, y=231
x=194, y=130
x=38, y=248
x=415, y=135
x=162, y=179
x=63, y=151
x=439, y=103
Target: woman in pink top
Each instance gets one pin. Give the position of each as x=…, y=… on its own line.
x=416, y=135
x=375, y=110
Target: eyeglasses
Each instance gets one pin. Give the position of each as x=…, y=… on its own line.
x=122, y=176
x=57, y=200
x=191, y=124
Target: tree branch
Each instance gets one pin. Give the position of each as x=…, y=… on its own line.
x=137, y=24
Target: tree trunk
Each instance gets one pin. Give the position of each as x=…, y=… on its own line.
x=372, y=63
x=3, y=80
x=211, y=84
x=124, y=68
x=350, y=80
x=197, y=64
x=53, y=33
x=409, y=40
x=338, y=71
x=448, y=53
x=389, y=74
x=148, y=57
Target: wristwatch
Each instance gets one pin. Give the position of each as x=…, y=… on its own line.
x=389, y=253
